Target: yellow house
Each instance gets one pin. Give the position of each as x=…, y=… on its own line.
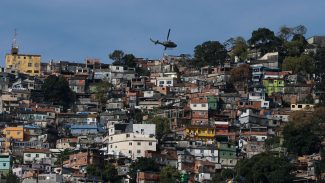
x=13, y=133
x=23, y=63
x=199, y=132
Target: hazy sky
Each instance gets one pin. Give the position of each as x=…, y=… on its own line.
x=76, y=29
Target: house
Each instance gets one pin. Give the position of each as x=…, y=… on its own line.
x=200, y=111
x=13, y=134
x=35, y=155
x=302, y=107
x=131, y=140
x=273, y=85
x=77, y=130
x=23, y=63
x=147, y=177
x=80, y=159
x=227, y=155
x=5, y=163
x=200, y=132
x=77, y=84
x=165, y=81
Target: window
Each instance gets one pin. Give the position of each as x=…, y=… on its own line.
x=130, y=143
x=169, y=82
x=204, y=105
x=28, y=155
x=127, y=135
x=29, y=64
x=293, y=106
x=130, y=152
x=139, y=143
x=194, y=105
x=18, y=133
x=300, y=106
x=37, y=155
x=161, y=82
x=150, y=143
x=230, y=161
x=138, y=151
x=117, y=68
x=4, y=164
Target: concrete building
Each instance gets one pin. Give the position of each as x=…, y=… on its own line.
x=23, y=63
x=131, y=140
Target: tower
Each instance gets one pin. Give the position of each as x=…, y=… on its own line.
x=14, y=46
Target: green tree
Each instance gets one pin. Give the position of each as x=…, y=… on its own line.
x=210, y=53
x=224, y=175
x=265, y=168
x=303, y=64
x=110, y=173
x=239, y=49
x=296, y=46
x=57, y=91
x=265, y=40
x=120, y=58
x=12, y=178
x=129, y=60
x=162, y=126
x=302, y=134
x=286, y=32
x=142, y=164
x=117, y=56
x=169, y=174
x=101, y=90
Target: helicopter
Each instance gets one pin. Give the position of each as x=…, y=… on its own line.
x=167, y=43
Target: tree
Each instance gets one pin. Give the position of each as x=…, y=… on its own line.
x=162, y=126
x=264, y=40
x=129, y=60
x=286, y=32
x=110, y=173
x=320, y=63
x=12, y=178
x=240, y=74
x=122, y=59
x=142, y=164
x=264, y=168
x=224, y=175
x=169, y=174
x=101, y=90
x=240, y=48
x=300, y=141
x=303, y=64
x=303, y=134
x=57, y=91
x=210, y=53
x=296, y=46
x=116, y=56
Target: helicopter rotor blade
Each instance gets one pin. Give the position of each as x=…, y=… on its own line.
x=168, y=35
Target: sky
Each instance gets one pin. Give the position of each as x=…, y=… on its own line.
x=73, y=30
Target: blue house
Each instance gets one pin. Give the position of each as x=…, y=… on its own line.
x=77, y=130
x=5, y=164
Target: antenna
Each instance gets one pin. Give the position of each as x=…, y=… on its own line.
x=14, y=46
x=14, y=43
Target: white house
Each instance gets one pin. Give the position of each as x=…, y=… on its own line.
x=131, y=140
x=165, y=81
x=35, y=155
